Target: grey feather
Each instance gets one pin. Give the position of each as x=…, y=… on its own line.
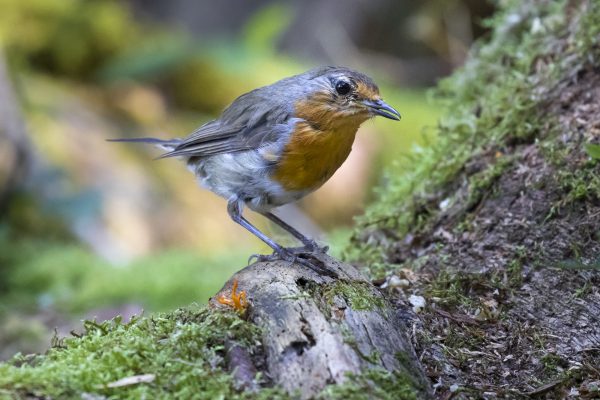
x=261, y=117
x=257, y=118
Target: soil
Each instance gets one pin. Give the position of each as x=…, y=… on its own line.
x=512, y=279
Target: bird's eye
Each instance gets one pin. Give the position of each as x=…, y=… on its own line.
x=342, y=87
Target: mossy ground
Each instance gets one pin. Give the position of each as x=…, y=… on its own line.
x=183, y=351
x=498, y=219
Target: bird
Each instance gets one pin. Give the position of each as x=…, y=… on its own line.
x=278, y=143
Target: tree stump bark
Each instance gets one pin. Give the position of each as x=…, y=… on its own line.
x=319, y=330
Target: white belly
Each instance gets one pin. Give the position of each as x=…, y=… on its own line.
x=245, y=176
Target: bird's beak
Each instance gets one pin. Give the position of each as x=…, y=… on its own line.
x=380, y=107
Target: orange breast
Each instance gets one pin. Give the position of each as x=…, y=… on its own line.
x=315, y=150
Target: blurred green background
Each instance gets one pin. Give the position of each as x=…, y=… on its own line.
x=95, y=229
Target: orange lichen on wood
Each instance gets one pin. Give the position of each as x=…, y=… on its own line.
x=236, y=300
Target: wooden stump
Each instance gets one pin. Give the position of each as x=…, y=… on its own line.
x=318, y=329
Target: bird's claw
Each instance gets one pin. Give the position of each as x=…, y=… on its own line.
x=295, y=256
x=263, y=258
x=255, y=258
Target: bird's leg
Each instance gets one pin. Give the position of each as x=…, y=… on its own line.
x=309, y=244
x=235, y=212
x=280, y=252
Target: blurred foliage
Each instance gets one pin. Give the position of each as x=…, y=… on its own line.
x=25, y=216
x=67, y=37
x=68, y=278
x=19, y=333
x=263, y=30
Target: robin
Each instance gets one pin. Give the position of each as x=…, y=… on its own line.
x=278, y=143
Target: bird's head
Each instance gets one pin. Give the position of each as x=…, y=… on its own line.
x=340, y=95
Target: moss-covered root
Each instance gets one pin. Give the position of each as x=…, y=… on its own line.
x=175, y=355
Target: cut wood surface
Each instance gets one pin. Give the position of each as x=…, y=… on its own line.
x=319, y=329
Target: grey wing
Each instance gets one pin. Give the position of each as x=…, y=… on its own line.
x=251, y=121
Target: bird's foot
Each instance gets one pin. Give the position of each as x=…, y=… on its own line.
x=295, y=256
x=263, y=258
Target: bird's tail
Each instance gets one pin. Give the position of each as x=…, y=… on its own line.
x=163, y=144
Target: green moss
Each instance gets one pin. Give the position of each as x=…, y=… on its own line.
x=495, y=101
x=480, y=183
x=579, y=184
x=586, y=38
x=358, y=295
x=67, y=37
x=403, y=358
x=183, y=350
x=514, y=270
x=466, y=293
x=376, y=383
x=552, y=362
x=453, y=289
